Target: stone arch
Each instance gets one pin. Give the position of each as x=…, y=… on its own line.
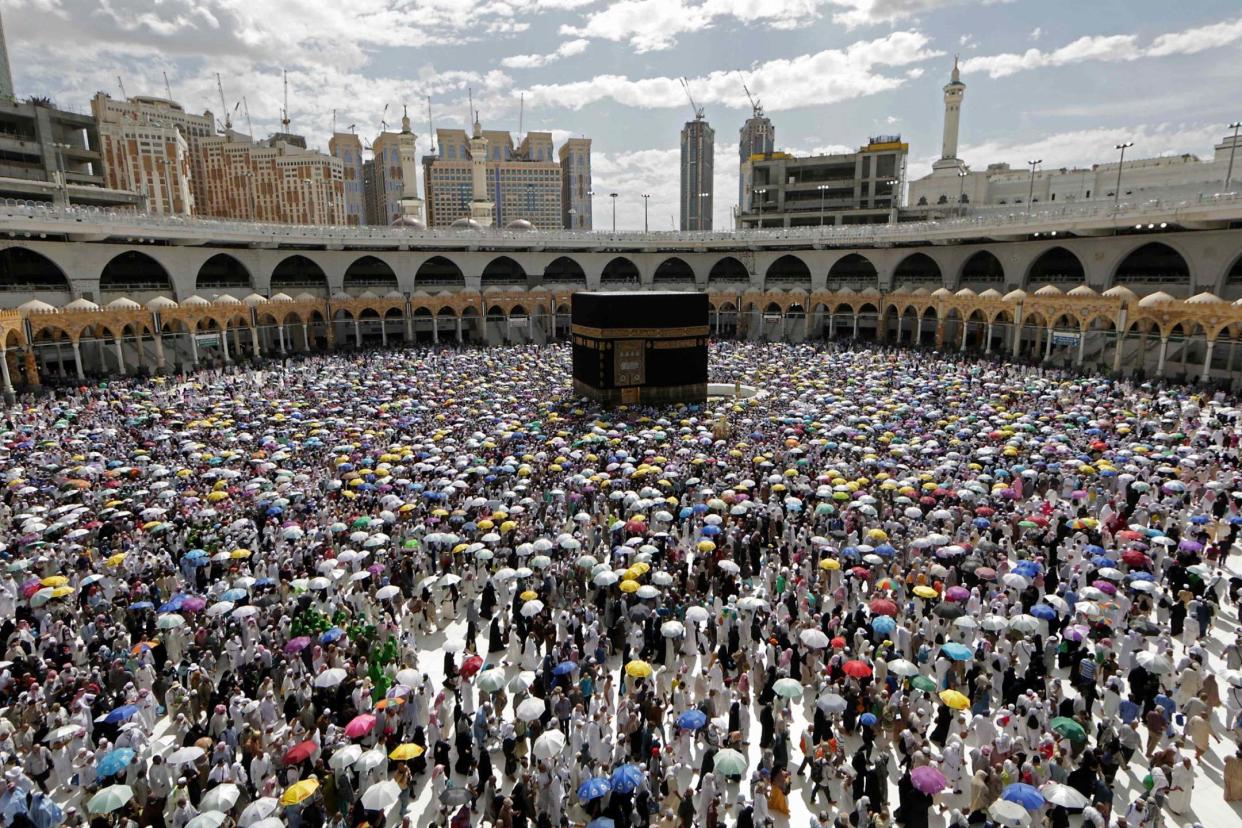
x=439, y=272
x=787, y=270
x=134, y=272
x=619, y=271
x=917, y=268
x=728, y=269
x=853, y=271
x=502, y=270
x=223, y=272
x=1154, y=263
x=370, y=273
x=298, y=274
x=564, y=270
x=673, y=269
x=982, y=268
x=23, y=270
x=1056, y=265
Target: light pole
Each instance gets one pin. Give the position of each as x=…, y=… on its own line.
x=1030, y=191
x=1120, y=163
x=961, y=189
x=761, y=193
x=1235, y=126
x=591, y=196
x=613, y=196
x=645, y=197
x=822, y=190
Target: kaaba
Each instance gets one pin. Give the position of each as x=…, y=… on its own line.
x=640, y=347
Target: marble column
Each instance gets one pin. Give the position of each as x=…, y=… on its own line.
x=77, y=359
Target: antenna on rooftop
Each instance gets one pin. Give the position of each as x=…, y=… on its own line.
x=521, y=112
x=284, y=121
x=383, y=123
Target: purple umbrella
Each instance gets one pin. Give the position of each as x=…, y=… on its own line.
x=957, y=593
x=1105, y=586
x=928, y=780
x=1190, y=546
x=194, y=603
x=297, y=645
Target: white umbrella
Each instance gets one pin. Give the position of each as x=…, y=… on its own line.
x=1024, y=623
x=1009, y=813
x=345, y=757
x=220, y=608
x=550, y=744
x=1154, y=662
x=697, y=615
x=260, y=809
x=729, y=566
x=903, y=668
x=185, y=755
x=672, y=629
x=530, y=709
x=386, y=592
x=220, y=798
x=1063, y=795
x=814, y=638
x=831, y=703
x=373, y=758
x=331, y=677
x=207, y=819
x=381, y=796
x=62, y=733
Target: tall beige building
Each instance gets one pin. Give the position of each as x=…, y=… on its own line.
x=272, y=180
x=348, y=148
x=396, y=170
x=522, y=182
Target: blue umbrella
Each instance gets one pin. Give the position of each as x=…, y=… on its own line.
x=196, y=554
x=957, y=652
x=121, y=714
x=626, y=778
x=1141, y=576
x=1199, y=520
x=886, y=550
x=564, y=668
x=1028, y=796
x=173, y=604
x=1044, y=611
x=594, y=788
x=141, y=605
x=867, y=719
x=1027, y=569
x=710, y=531
x=1100, y=560
x=114, y=762
x=982, y=523
x=692, y=720
x=331, y=635
x=883, y=624
x=601, y=822
x=233, y=595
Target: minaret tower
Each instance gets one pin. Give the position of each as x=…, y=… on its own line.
x=410, y=204
x=954, y=91
x=482, y=209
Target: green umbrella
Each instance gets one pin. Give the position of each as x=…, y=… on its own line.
x=361, y=523
x=170, y=621
x=410, y=543
x=787, y=687
x=730, y=763
x=923, y=683
x=1068, y=728
x=490, y=680
x=110, y=799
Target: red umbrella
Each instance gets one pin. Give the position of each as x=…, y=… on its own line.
x=360, y=726
x=471, y=666
x=838, y=643
x=1133, y=557
x=299, y=753
x=883, y=606
x=856, y=668
x=1129, y=534
x=985, y=511
x=860, y=571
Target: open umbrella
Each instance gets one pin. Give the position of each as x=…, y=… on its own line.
x=1028, y=796
x=626, y=778
x=530, y=709
x=1009, y=814
x=729, y=762
x=1055, y=793
x=594, y=788
x=1070, y=729
x=331, y=677
x=110, y=799
x=344, y=757
x=406, y=751
x=208, y=819
x=929, y=780
x=381, y=796
x=220, y=798
x=954, y=699
x=788, y=688
x=549, y=744
x=299, y=792
x=856, y=668
x=360, y=726
x=692, y=720
x=814, y=638
x=114, y=762
x=300, y=752
x=257, y=811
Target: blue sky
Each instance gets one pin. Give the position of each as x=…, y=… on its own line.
x=1058, y=80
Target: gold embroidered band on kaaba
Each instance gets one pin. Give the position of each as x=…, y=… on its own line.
x=638, y=333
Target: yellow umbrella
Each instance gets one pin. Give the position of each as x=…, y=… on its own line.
x=62, y=591
x=954, y=699
x=706, y=546
x=830, y=564
x=150, y=524
x=925, y=591
x=406, y=508
x=486, y=524
x=459, y=548
x=435, y=512
x=638, y=669
x=299, y=792
x=54, y=581
x=529, y=595
x=642, y=567
x=508, y=526
x=116, y=559
x=216, y=497
x=408, y=750
x=629, y=586
x=240, y=553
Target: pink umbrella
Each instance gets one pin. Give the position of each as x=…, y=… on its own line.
x=957, y=593
x=194, y=603
x=928, y=780
x=360, y=726
x=297, y=645
x=1105, y=586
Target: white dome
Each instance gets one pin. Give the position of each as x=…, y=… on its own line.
x=411, y=222
x=161, y=303
x=1205, y=298
x=225, y=299
x=195, y=301
x=281, y=297
x=254, y=300
x=1121, y=292
x=81, y=304
x=466, y=224
x=1082, y=290
x=306, y=297
x=942, y=292
x=1015, y=296
x=990, y=293
x=36, y=306
x=1048, y=290
x=123, y=304
x=1157, y=298
x=521, y=225
x=965, y=292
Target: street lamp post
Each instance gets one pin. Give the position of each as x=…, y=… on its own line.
x=645, y=197
x=1030, y=191
x=761, y=193
x=1235, y=126
x=613, y=196
x=591, y=196
x=961, y=189
x=822, y=190
x=1120, y=163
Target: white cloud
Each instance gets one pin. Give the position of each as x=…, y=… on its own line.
x=566, y=49
x=1082, y=148
x=630, y=174
x=841, y=74
x=1109, y=48
x=1036, y=33
x=871, y=12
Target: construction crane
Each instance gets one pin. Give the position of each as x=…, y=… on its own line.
x=756, y=107
x=249, y=125
x=284, y=118
x=167, y=88
x=383, y=123
x=430, y=127
x=698, y=110
x=122, y=85
x=228, y=121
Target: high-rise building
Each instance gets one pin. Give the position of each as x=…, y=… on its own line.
x=396, y=170
x=348, y=148
x=861, y=187
x=575, y=158
x=142, y=128
x=484, y=176
x=698, y=153
x=756, y=137
x=6, y=76
x=372, y=204
x=275, y=180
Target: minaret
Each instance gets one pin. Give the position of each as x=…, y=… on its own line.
x=482, y=209
x=954, y=91
x=6, y=77
x=410, y=204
